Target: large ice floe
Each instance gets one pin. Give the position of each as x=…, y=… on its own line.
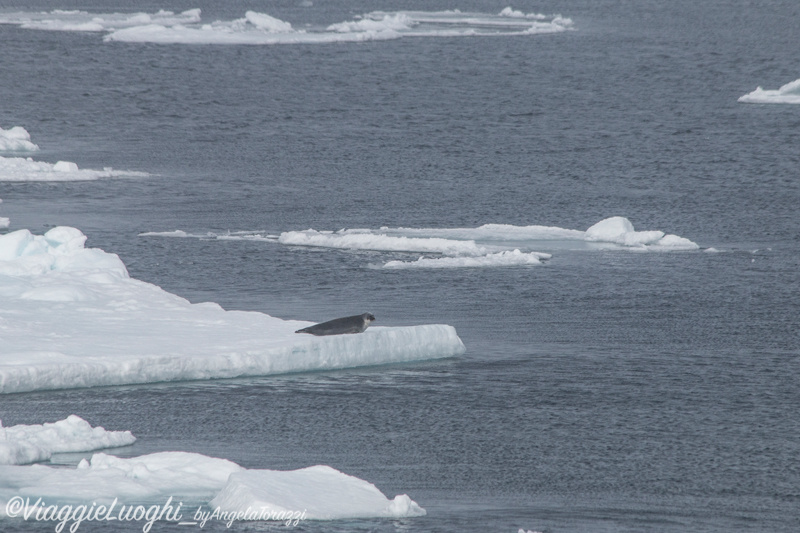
x=72, y=317
x=17, y=139
x=788, y=94
x=195, y=487
x=260, y=28
x=490, y=245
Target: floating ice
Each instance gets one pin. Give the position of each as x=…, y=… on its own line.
x=30, y=443
x=26, y=169
x=788, y=94
x=321, y=491
x=506, y=258
x=83, y=21
x=261, y=28
x=16, y=139
x=74, y=318
x=489, y=239
x=364, y=240
x=264, y=22
x=489, y=245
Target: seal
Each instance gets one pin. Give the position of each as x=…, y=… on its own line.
x=340, y=326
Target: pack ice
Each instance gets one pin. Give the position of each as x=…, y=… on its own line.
x=318, y=492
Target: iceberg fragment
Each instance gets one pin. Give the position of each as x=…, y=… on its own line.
x=23, y=444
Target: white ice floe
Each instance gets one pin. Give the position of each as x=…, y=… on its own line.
x=322, y=492
x=23, y=444
x=364, y=240
x=261, y=28
x=489, y=245
x=788, y=94
x=16, y=139
x=26, y=169
x=506, y=258
x=489, y=239
x=83, y=21
x=619, y=230
x=72, y=317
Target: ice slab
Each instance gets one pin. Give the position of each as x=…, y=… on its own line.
x=261, y=28
x=74, y=318
x=489, y=245
x=322, y=492
x=506, y=258
x=23, y=444
x=84, y=21
x=787, y=94
x=16, y=139
x=26, y=169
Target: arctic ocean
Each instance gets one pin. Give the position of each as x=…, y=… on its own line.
x=574, y=221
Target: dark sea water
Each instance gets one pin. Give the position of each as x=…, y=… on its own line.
x=603, y=391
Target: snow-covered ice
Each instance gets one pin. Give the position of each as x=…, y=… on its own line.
x=16, y=139
x=74, y=318
x=361, y=240
x=26, y=169
x=506, y=258
x=489, y=245
x=491, y=239
x=787, y=94
x=318, y=492
x=324, y=493
x=262, y=28
x=24, y=444
x=619, y=230
x=83, y=21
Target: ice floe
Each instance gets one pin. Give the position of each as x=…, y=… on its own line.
x=323, y=492
x=228, y=490
x=788, y=94
x=262, y=28
x=26, y=169
x=506, y=258
x=24, y=444
x=316, y=493
x=83, y=21
x=16, y=139
x=364, y=240
x=74, y=318
x=489, y=245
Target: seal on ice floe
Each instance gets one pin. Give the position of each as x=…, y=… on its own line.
x=340, y=326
